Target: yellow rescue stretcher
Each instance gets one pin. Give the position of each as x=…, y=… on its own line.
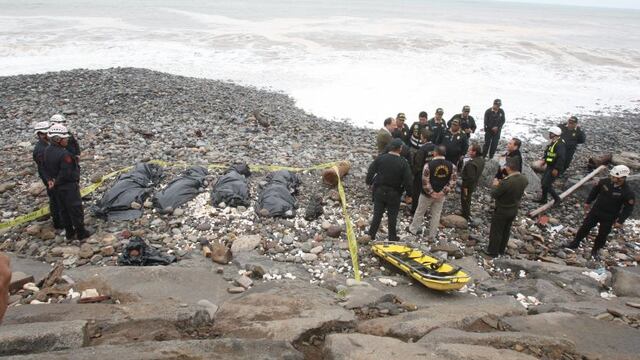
x=431, y=272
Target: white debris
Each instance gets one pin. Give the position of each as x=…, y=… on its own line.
x=388, y=281
x=599, y=276
x=89, y=293
x=72, y=294
x=522, y=274
x=527, y=301
x=607, y=294
x=31, y=287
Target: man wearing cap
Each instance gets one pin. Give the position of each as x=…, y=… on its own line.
x=402, y=130
x=437, y=127
x=471, y=173
x=385, y=136
x=40, y=130
x=513, y=151
x=456, y=142
x=614, y=202
x=73, y=145
x=390, y=176
x=438, y=179
x=507, y=194
x=466, y=121
x=493, y=121
x=63, y=177
x=554, y=159
x=572, y=135
x=416, y=130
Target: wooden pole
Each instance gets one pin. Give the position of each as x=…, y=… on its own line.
x=568, y=192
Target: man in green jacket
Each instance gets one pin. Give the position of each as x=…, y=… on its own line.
x=507, y=193
x=471, y=173
x=384, y=136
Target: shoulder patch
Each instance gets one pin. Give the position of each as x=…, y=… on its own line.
x=631, y=201
x=67, y=159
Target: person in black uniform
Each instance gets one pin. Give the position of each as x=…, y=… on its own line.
x=72, y=143
x=554, y=157
x=614, y=202
x=437, y=127
x=416, y=129
x=390, y=176
x=63, y=176
x=421, y=157
x=493, y=121
x=40, y=130
x=402, y=130
x=513, y=151
x=456, y=142
x=572, y=135
x=466, y=121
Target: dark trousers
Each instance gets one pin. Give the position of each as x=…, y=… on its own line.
x=547, y=185
x=70, y=205
x=385, y=199
x=53, y=208
x=500, y=230
x=592, y=219
x=491, y=141
x=465, y=201
x=417, y=188
x=570, y=151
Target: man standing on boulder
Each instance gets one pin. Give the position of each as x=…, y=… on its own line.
x=384, y=136
x=554, y=158
x=507, y=194
x=390, y=176
x=493, y=121
x=471, y=173
x=466, y=121
x=572, y=135
x=402, y=130
x=513, y=151
x=437, y=127
x=614, y=202
x=416, y=130
x=438, y=179
x=41, y=129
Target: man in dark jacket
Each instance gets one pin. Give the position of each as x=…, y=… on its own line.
x=417, y=128
x=471, y=173
x=41, y=129
x=390, y=176
x=572, y=135
x=467, y=122
x=554, y=158
x=513, y=151
x=72, y=143
x=614, y=202
x=402, y=130
x=507, y=193
x=437, y=127
x=421, y=157
x=456, y=142
x=493, y=121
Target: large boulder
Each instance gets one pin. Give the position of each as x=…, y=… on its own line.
x=41, y=337
x=369, y=347
x=626, y=282
x=630, y=159
x=454, y=221
x=491, y=168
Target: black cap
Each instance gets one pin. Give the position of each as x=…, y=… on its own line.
x=497, y=102
x=396, y=144
x=466, y=108
x=573, y=119
x=439, y=111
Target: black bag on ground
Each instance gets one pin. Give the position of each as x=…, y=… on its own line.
x=277, y=197
x=138, y=253
x=231, y=188
x=182, y=189
x=136, y=185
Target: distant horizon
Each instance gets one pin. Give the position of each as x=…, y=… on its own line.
x=613, y=4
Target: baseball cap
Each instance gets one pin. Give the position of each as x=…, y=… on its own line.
x=401, y=116
x=573, y=119
x=497, y=102
x=439, y=111
x=466, y=108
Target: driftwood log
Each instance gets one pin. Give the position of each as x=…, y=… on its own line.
x=330, y=177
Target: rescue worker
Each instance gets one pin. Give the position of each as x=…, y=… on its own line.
x=554, y=158
x=507, y=194
x=416, y=129
x=572, y=135
x=40, y=130
x=456, y=142
x=467, y=122
x=390, y=176
x=438, y=179
x=63, y=176
x=437, y=127
x=74, y=146
x=421, y=157
x=493, y=121
x=513, y=151
x=471, y=173
x=402, y=130
x=614, y=202
x=384, y=136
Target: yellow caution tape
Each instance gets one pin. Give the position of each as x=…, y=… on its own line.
x=93, y=187
x=351, y=238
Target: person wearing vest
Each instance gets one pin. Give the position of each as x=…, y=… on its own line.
x=456, y=142
x=437, y=127
x=572, y=135
x=421, y=157
x=554, y=158
x=402, y=130
x=507, y=194
x=41, y=129
x=416, y=129
x=467, y=122
x=614, y=202
x=438, y=179
x=471, y=173
x=384, y=136
x=63, y=176
x=493, y=121
x=513, y=151
x=390, y=176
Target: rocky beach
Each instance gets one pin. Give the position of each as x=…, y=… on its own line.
x=283, y=287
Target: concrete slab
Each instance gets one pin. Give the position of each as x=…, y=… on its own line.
x=41, y=337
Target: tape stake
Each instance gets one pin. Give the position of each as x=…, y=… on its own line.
x=351, y=238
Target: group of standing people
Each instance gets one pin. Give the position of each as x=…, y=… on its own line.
x=423, y=162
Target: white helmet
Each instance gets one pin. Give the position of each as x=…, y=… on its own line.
x=58, y=130
x=58, y=119
x=41, y=127
x=555, y=131
x=620, y=171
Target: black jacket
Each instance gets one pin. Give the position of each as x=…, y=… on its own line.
x=457, y=145
x=61, y=166
x=402, y=134
x=38, y=158
x=414, y=134
x=392, y=171
x=436, y=130
x=73, y=146
x=510, y=155
x=559, y=160
x=614, y=203
x=572, y=137
x=465, y=123
x=493, y=119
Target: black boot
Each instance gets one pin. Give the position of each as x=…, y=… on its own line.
x=83, y=233
x=70, y=234
x=573, y=245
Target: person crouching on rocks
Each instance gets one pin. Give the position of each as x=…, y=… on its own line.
x=40, y=130
x=63, y=178
x=614, y=202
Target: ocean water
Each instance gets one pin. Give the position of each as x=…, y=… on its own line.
x=357, y=61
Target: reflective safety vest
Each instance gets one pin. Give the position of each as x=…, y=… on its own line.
x=551, y=155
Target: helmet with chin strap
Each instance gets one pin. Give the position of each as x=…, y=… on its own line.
x=620, y=171
x=41, y=127
x=58, y=130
